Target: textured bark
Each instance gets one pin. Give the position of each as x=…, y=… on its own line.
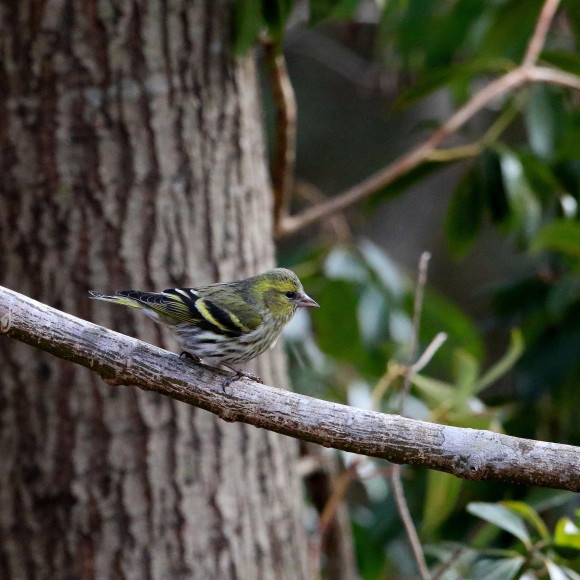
x=131, y=157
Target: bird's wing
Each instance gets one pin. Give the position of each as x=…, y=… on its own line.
x=223, y=312
x=226, y=306
x=171, y=306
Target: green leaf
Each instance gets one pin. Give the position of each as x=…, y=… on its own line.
x=541, y=177
x=506, y=363
x=503, y=518
x=572, y=8
x=440, y=499
x=414, y=31
x=510, y=29
x=371, y=316
x=525, y=207
x=570, y=574
x=568, y=61
x=549, y=499
x=568, y=151
x=342, y=263
x=451, y=30
x=276, y=14
x=521, y=298
x=497, y=568
x=441, y=315
x=530, y=515
x=436, y=392
x=458, y=73
x=569, y=205
x=379, y=262
x=492, y=185
x=543, y=118
x=247, y=24
x=465, y=370
x=463, y=220
x=562, y=236
x=563, y=294
x=332, y=10
x=567, y=534
x=554, y=571
x=371, y=554
x=336, y=324
x=550, y=359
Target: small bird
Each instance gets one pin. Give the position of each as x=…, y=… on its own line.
x=229, y=323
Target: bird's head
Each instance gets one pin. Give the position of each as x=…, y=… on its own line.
x=280, y=293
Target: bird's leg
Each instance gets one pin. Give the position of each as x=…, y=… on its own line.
x=241, y=373
x=191, y=357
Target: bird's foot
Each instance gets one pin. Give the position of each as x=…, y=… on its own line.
x=241, y=373
x=190, y=357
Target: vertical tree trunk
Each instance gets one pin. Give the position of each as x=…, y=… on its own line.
x=131, y=157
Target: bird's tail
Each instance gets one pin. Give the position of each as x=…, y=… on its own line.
x=131, y=298
x=158, y=306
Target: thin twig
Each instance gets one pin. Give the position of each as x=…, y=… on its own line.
x=473, y=149
x=454, y=556
x=417, y=309
x=339, y=488
x=544, y=74
x=337, y=223
x=410, y=529
x=449, y=562
x=332, y=548
x=284, y=158
x=396, y=482
x=406, y=162
x=538, y=38
x=428, y=353
x=456, y=153
x=394, y=370
x=522, y=75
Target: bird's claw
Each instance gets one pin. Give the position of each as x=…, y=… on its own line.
x=190, y=357
x=250, y=376
x=239, y=373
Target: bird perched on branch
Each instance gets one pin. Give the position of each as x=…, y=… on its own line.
x=228, y=323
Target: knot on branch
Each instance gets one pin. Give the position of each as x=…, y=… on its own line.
x=5, y=321
x=470, y=467
x=112, y=381
x=228, y=415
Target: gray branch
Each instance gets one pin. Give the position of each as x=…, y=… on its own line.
x=121, y=360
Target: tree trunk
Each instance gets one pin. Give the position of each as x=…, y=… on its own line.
x=131, y=157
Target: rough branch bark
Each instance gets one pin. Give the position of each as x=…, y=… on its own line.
x=121, y=360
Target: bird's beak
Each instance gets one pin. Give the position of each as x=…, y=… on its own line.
x=305, y=300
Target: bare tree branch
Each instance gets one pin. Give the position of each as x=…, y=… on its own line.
x=524, y=74
x=538, y=38
x=284, y=158
x=121, y=360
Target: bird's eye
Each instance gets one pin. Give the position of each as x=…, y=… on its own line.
x=291, y=294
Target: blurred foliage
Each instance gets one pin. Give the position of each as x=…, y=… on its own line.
x=533, y=553
x=251, y=18
x=255, y=17
x=522, y=177
x=354, y=350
